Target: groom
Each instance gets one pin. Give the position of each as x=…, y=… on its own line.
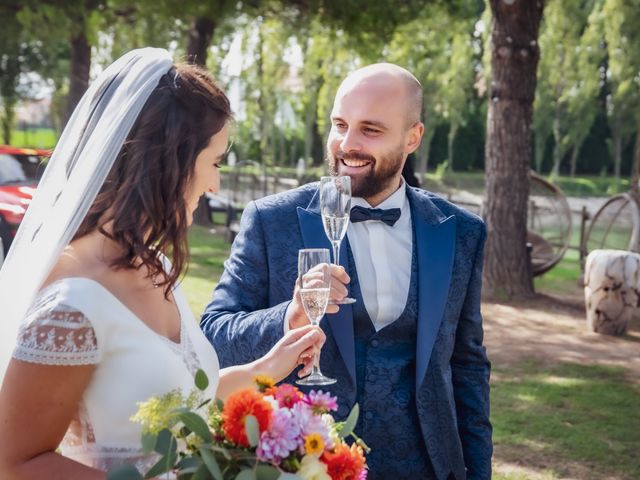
x=409, y=351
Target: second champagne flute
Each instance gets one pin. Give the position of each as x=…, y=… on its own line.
x=335, y=208
x=314, y=274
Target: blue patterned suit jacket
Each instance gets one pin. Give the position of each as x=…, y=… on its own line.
x=246, y=317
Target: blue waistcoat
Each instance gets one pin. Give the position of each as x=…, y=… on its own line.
x=385, y=377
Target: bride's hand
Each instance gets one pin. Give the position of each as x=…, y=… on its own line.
x=297, y=347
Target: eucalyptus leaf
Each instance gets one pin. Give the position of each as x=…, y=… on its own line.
x=246, y=474
x=165, y=442
x=212, y=464
x=148, y=442
x=207, y=401
x=289, y=476
x=350, y=422
x=251, y=427
x=189, y=465
x=219, y=404
x=267, y=472
x=163, y=465
x=124, y=472
x=202, y=473
x=196, y=424
x=202, y=381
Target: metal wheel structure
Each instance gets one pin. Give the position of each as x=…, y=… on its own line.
x=548, y=224
x=615, y=226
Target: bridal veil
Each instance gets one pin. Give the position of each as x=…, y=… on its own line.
x=74, y=175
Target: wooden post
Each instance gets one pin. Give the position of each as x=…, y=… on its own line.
x=612, y=290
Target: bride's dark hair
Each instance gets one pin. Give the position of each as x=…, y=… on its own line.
x=144, y=194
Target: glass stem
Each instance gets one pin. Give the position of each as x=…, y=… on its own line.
x=336, y=252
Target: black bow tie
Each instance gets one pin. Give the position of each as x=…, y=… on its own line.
x=361, y=214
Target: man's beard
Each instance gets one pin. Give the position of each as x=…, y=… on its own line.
x=377, y=179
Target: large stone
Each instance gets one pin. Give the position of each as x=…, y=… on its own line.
x=612, y=290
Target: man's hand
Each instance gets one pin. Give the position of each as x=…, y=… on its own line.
x=295, y=316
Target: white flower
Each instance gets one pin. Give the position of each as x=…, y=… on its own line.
x=312, y=469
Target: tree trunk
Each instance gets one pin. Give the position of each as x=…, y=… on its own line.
x=8, y=118
x=558, y=151
x=200, y=34
x=617, y=152
x=574, y=159
x=79, y=75
x=540, y=142
x=453, y=131
x=514, y=61
x=635, y=175
x=425, y=146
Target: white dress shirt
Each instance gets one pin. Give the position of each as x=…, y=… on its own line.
x=382, y=256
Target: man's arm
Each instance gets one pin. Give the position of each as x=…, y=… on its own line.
x=470, y=371
x=239, y=322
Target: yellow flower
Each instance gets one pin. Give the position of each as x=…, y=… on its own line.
x=311, y=468
x=314, y=444
x=264, y=382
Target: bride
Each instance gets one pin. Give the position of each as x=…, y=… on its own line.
x=99, y=319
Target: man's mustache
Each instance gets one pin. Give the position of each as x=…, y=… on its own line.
x=340, y=155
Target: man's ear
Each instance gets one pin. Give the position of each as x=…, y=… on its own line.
x=414, y=137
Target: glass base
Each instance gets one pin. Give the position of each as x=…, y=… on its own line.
x=316, y=379
x=344, y=301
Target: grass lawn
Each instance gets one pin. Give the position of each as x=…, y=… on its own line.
x=570, y=420
x=35, y=138
x=208, y=253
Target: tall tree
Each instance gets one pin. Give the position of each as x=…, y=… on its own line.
x=514, y=60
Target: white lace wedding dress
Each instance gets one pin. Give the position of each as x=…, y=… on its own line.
x=76, y=321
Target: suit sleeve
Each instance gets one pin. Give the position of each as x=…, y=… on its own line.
x=239, y=322
x=470, y=371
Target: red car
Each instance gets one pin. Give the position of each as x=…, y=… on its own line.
x=20, y=170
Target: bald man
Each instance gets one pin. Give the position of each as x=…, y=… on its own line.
x=409, y=350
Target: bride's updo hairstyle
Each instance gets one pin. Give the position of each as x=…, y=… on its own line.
x=143, y=195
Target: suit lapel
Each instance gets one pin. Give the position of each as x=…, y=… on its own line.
x=341, y=323
x=435, y=238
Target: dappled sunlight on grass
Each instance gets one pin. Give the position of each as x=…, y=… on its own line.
x=584, y=414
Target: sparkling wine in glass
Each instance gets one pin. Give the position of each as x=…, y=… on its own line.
x=335, y=207
x=314, y=274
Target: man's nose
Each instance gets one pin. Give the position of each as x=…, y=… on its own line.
x=350, y=141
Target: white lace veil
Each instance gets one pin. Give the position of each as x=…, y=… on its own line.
x=74, y=175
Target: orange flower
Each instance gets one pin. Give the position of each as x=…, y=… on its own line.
x=344, y=462
x=236, y=409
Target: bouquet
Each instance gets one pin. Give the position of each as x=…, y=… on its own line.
x=272, y=432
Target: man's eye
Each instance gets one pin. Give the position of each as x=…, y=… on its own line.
x=372, y=131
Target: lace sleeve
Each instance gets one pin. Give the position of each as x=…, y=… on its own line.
x=60, y=335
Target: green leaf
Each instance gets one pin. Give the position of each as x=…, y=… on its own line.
x=350, y=422
x=189, y=465
x=163, y=465
x=202, y=381
x=202, y=473
x=212, y=464
x=196, y=424
x=148, y=442
x=124, y=472
x=246, y=474
x=165, y=442
x=267, y=472
x=251, y=427
x=203, y=403
x=289, y=476
x=219, y=404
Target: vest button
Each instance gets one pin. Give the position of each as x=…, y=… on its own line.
x=374, y=343
x=368, y=415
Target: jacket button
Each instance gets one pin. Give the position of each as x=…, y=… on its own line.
x=374, y=343
x=368, y=415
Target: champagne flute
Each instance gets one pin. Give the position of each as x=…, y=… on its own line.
x=335, y=208
x=314, y=274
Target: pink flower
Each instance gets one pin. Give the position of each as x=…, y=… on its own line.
x=286, y=395
x=321, y=402
x=309, y=422
x=282, y=437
